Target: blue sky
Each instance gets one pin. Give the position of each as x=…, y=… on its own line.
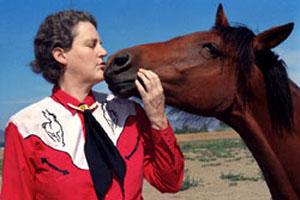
x=124, y=23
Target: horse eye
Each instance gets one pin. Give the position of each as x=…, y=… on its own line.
x=212, y=50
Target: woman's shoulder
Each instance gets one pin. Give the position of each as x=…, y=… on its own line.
x=113, y=102
x=30, y=110
x=104, y=97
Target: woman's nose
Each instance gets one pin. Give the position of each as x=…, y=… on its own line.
x=101, y=51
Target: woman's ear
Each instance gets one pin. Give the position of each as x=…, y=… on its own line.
x=58, y=54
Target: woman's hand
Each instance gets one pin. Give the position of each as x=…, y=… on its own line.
x=153, y=97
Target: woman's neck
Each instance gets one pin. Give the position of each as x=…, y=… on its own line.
x=78, y=91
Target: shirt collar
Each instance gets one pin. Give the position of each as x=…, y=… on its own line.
x=64, y=98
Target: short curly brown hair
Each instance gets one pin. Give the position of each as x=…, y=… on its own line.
x=56, y=31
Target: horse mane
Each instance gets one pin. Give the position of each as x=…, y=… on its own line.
x=273, y=69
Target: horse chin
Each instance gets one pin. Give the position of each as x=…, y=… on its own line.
x=123, y=90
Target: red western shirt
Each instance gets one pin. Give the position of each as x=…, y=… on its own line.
x=44, y=150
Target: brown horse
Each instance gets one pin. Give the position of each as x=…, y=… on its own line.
x=229, y=73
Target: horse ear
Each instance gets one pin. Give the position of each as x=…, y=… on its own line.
x=221, y=19
x=272, y=37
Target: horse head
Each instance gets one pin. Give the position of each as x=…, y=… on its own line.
x=199, y=71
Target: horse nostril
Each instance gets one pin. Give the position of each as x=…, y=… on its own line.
x=122, y=60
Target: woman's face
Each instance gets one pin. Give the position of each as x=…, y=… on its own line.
x=84, y=61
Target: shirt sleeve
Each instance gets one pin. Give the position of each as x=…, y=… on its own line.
x=163, y=161
x=17, y=179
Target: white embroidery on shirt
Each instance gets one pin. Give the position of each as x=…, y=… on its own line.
x=110, y=116
x=53, y=128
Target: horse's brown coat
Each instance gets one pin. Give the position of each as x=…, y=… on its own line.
x=199, y=75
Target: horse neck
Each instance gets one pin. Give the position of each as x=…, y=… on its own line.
x=254, y=126
x=253, y=117
x=256, y=119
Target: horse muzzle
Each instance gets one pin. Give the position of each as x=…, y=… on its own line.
x=120, y=75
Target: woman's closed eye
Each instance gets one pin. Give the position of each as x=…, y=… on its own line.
x=92, y=43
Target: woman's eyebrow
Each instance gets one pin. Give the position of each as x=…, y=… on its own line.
x=93, y=40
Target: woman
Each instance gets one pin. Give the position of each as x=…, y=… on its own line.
x=80, y=144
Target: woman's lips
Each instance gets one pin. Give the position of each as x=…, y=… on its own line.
x=102, y=65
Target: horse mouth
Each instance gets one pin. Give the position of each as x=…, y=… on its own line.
x=123, y=89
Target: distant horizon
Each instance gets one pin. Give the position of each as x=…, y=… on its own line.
x=124, y=24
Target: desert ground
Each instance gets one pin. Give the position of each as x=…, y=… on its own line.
x=218, y=166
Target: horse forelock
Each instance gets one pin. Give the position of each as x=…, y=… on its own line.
x=239, y=40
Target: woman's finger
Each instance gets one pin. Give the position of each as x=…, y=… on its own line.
x=146, y=81
x=140, y=89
